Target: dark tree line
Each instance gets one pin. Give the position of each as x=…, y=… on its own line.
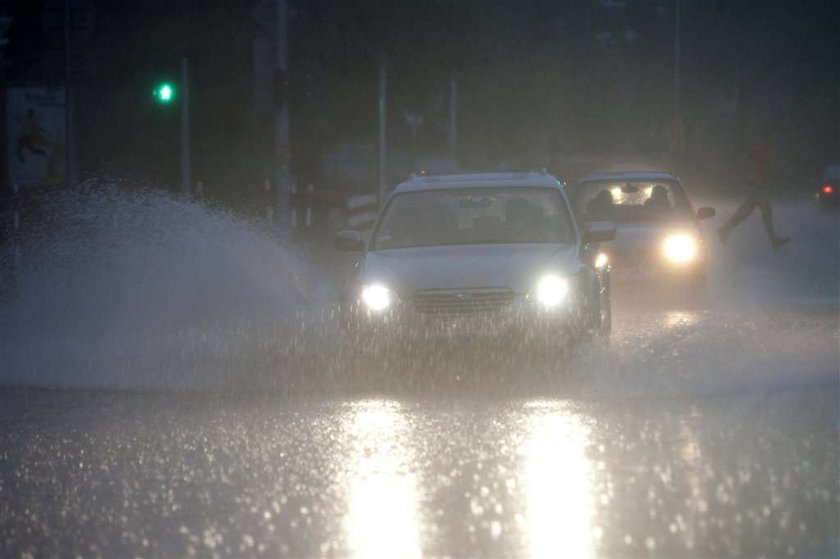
x=540, y=78
x=537, y=79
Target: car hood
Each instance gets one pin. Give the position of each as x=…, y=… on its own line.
x=458, y=267
x=643, y=235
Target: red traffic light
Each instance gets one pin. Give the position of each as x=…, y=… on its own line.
x=827, y=189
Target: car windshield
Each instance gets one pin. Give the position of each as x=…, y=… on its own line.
x=623, y=201
x=474, y=216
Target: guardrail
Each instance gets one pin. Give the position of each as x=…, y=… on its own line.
x=361, y=211
x=314, y=209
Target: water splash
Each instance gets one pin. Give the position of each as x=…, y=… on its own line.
x=135, y=288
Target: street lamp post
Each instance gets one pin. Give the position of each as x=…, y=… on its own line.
x=186, y=163
x=284, y=181
x=383, y=149
x=69, y=147
x=453, y=119
x=677, y=25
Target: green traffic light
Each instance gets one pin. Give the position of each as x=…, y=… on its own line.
x=165, y=93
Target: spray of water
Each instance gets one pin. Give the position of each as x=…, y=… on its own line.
x=769, y=321
x=134, y=288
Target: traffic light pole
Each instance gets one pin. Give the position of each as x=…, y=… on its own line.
x=186, y=168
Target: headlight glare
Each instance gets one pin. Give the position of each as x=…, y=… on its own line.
x=376, y=297
x=601, y=260
x=552, y=290
x=680, y=248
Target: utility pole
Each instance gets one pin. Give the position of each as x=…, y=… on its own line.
x=186, y=167
x=383, y=151
x=453, y=118
x=283, y=182
x=69, y=147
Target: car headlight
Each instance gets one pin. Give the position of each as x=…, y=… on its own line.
x=376, y=297
x=552, y=290
x=601, y=260
x=680, y=248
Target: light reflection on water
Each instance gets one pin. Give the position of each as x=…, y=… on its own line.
x=382, y=518
x=556, y=511
x=692, y=456
x=558, y=477
x=677, y=319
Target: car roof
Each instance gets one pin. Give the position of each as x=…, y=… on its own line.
x=419, y=183
x=631, y=176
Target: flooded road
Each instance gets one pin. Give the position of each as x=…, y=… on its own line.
x=639, y=452
x=705, y=430
x=124, y=475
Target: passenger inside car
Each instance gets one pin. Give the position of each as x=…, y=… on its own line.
x=658, y=201
x=524, y=220
x=430, y=221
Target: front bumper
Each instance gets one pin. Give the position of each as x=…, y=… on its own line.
x=522, y=321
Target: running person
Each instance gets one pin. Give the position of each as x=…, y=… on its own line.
x=758, y=160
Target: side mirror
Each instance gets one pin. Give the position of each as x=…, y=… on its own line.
x=705, y=213
x=599, y=231
x=349, y=241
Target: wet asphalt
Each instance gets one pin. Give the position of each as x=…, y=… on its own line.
x=707, y=429
x=648, y=449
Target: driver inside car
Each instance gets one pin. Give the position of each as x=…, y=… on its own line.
x=600, y=206
x=431, y=223
x=524, y=220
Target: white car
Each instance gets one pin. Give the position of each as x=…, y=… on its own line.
x=658, y=235
x=479, y=255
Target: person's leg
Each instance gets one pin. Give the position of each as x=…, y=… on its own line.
x=742, y=213
x=767, y=218
x=28, y=143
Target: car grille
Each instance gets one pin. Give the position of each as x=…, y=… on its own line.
x=463, y=301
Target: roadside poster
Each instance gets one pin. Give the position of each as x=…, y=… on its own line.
x=35, y=135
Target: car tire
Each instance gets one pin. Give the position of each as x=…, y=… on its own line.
x=599, y=324
x=605, y=309
x=605, y=328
